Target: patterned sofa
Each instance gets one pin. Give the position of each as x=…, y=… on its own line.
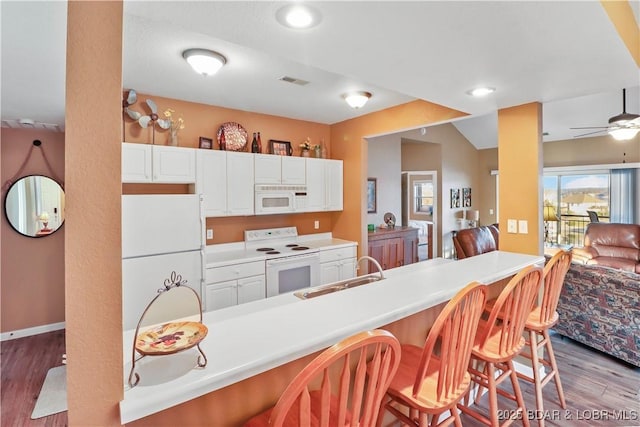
x=600, y=307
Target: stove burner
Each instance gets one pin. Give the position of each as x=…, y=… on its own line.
x=264, y=249
x=291, y=245
x=273, y=252
x=299, y=248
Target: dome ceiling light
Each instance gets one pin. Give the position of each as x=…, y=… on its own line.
x=357, y=99
x=204, y=61
x=481, y=91
x=298, y=16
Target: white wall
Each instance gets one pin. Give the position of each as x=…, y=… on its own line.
x=384, y=164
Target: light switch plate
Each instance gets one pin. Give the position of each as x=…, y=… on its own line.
x=512, y=226
x=209, y=233
x=523, y=226
x=316, y=225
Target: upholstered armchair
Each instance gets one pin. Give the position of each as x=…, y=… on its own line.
x=475, y=241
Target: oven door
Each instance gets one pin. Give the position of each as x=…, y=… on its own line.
x=292, y=273
x=274, y=202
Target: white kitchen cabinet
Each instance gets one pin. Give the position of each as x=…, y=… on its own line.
x=337, y=264
x=324, y=185
x=272, y=169
x=234, y=284
x=225, y=179
x=144, y=163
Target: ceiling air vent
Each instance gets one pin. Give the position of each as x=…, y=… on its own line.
x=293, y=80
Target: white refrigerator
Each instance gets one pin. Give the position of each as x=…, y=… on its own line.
x=160, y=234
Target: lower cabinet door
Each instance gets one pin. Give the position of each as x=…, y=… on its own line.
x=221, y=295
x=329, y=272
x=348, y=269
x=251, y=289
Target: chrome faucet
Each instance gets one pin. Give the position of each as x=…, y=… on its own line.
x=373, y=260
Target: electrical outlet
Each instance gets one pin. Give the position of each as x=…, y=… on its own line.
x=490, y=211
x=523, y=226
x=316, y=224
x=209, y=233
x=512, y=226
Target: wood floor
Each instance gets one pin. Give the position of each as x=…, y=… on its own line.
x=597, y=387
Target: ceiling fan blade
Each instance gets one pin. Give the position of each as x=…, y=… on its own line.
x=144, y=121
x=133, y=114
x=589, y=133
x=164, y=124
x=591, y=127
x=132, y=97
x=153, y=106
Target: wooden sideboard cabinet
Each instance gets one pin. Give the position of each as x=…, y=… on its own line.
x=393, y=247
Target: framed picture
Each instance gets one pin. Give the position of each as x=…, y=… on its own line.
x=371, y=195
x=281, y=148
x=455, y=198
x=206, y=142
x=466, y=197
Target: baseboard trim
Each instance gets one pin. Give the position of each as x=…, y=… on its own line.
x=20, y=333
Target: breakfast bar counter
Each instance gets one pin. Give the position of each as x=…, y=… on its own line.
x=247, y=344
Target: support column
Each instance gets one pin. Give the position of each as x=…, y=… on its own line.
x=93, y=255
x=520, y=165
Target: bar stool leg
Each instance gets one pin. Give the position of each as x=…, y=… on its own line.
x=535, y=365
x=493, y=395
x=518, y=393
x=554, y=366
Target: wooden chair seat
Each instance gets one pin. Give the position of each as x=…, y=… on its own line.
x=490, y=348
x=534, y=322
x=406, y=377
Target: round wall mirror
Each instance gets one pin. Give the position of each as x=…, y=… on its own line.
x=34, y=206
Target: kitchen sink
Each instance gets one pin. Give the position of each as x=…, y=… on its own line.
x=338, y=286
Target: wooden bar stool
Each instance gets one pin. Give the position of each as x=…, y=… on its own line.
x=432, y=379
x=311, y=399
x=498, y=340
x=540, y=320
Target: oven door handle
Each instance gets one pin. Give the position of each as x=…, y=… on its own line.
x=294, y=258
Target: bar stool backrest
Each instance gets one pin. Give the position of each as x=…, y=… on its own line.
x=554, y=273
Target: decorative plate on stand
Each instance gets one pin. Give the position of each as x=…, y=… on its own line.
x=235, y=135
x=170, y=338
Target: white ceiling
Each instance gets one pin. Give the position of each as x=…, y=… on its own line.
x=566, y=55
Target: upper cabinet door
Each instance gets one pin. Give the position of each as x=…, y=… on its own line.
x=174, y=165
x=211, y=166
x=240, y=184
x=293, y=170
x=315, y=184
x=334, y=180
x=267, y=169
x=136, y=162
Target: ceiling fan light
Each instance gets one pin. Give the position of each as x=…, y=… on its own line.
x=203, y=61
x=623, y=134
x=356, y=99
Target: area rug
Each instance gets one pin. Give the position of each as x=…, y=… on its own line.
x=53, y=395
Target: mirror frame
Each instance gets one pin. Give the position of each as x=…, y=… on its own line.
x=6, y=214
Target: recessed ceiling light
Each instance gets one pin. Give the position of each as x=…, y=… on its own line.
x=481, y=91
x=298, y=16
x=356, y=99
x=204, y=61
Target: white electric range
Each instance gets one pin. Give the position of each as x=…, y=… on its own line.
x=289, y=265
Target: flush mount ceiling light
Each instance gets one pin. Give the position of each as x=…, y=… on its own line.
x=204, y=61
x=298, y=16
x=356, y=99
x=481, y=91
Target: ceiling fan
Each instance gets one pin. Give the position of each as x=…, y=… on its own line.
x=622, y=127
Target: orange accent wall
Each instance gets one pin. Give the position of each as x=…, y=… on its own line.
x=205, y=120
x=349, y=145
x=520, y=169
x=93, y=258
x=622, y=16
x=32, y=274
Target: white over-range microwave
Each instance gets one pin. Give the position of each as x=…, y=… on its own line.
x=275, y=199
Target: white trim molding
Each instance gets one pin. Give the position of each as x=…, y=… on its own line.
x=21, y=333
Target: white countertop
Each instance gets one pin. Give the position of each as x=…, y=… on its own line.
x=235, y=253
x=248, y=339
